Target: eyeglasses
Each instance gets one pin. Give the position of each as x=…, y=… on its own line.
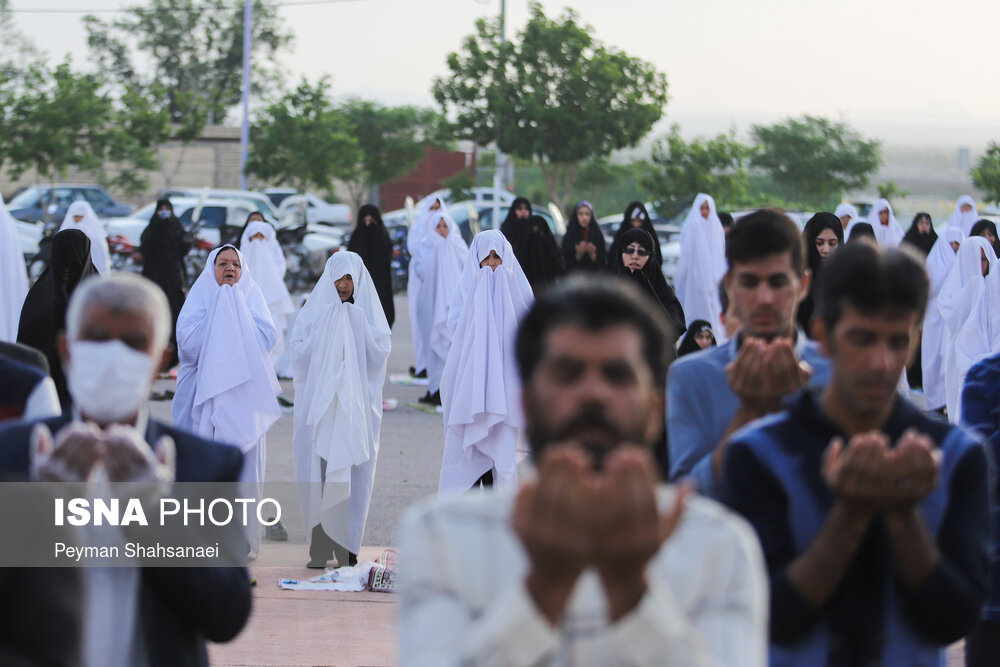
x=642, y=252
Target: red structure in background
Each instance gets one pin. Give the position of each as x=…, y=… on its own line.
x=426, y=177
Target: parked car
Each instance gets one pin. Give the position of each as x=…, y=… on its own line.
x=31, y=204
x=472, y=218
x=479, y=195
x=278, y=195
x=255, y=200
x=317, y=211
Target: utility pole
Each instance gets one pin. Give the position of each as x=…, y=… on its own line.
x=498, y=175
x=245, y=128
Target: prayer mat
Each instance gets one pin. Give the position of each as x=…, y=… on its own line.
x=407, y=380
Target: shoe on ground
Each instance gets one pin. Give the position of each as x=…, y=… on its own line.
x=284, y=401
x=316, y=564
x=276, y=533
x=427, y=398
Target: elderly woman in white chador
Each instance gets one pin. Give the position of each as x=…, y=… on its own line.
x=259, y=245
x=13, y=275
x=702, y=264
x=340, y=347
x=81, y=216
x=226, y=387
x=480, y=390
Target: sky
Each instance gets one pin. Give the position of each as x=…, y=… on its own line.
x=914, y=72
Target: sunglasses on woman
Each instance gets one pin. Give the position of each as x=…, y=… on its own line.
x=642, y=252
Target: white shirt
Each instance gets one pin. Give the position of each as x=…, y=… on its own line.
x=463, y=599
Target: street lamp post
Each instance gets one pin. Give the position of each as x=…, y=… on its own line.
x=245, y=128
x=499, y=173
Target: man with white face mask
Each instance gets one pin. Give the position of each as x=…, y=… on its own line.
x=117, y=334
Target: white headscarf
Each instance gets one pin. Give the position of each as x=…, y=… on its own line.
x=939, y=261
x=979, y=336
x=267, y=261
x=964, y=221
x=847, y=209
x=441, y=261
x=13, y=274
x=482, y=244
x=890, y=235
x=480, y=389
x=701, y=265
x=960, y=290
x=414, y=237
x=92, y=227
x=339, y=351
x=226, y=387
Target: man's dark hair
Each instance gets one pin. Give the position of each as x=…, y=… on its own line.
x=595, y=304
x=764, y=233
x=871, y=280
x=723, y=296
x=726, y=219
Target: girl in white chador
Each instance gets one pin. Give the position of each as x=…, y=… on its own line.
x=340, y=347
x=939, y=261
x=413, y=239
x=441, y=253
x=965, y=214
x=480, y=390
x=226, y=387
x=702, y=264
x=81, y=216
x=259, y=245
x=888, y=231
x=962, y=287
x=13, y=275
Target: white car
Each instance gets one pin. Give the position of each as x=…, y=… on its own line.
x=317, y=211
x=481, y=195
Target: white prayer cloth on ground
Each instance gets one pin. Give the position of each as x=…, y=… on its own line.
x=890, y=235
x=939, y=261
x=339, y=351
x=701, y=265
x=414, y=237
x=226, y=386
x=480, y=388
x=13, y=276
x=441, y=261
x=100, y=255
x=267, y=261
x=964, y=220
x=960, y=290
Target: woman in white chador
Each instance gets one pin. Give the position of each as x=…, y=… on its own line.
x=13, y=276
x=888, y=231
x=480, y=389
x=441, y=252
x=226, y=387
x=965, y=214
x=979, y=336
x=259, y=245
x=81, y=216
x=340, y=347
x=962, y=287
x=702, y=264
x=413, y=238
x=939, y=261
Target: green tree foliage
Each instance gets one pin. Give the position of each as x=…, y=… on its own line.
x=986, y=173
x=889, y=190
x=814, y=159
x=392, y=140
x=681, y=169
x=553, y=94
x=303, y=140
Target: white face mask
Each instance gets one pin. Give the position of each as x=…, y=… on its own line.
x=108, y=380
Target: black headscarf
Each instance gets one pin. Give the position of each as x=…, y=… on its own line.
x=43, y=315
x=164, y=245
x=922, y=241
x=373, y=244
x=635, y=210
x=650, y=277
x=688, y=343
x=575, y=234
x=816, y=225
x=538, y=253
x=977, y=230
x=861, y=230
x=512, y=227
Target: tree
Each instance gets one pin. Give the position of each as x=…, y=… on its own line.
x=814, y=159
x=889, y=190
x=986, y=173
x=392, y=140
x=186, y=58
x=553, y=94
x=682, y=169
x=303, y=140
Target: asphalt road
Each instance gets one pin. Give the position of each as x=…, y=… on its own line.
x=409, y=459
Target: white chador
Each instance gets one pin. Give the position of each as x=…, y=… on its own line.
x=267, y=261
x=441, y=261
x=226, y=387
x=890, y=235
x=939, y=261
x=480, y=389
x=413, y=281
x=92, y=227
x=962, y=287
x=701, y=265
x=979, y=336
x=964, y=220
x=13, y=275
x=339, y=352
